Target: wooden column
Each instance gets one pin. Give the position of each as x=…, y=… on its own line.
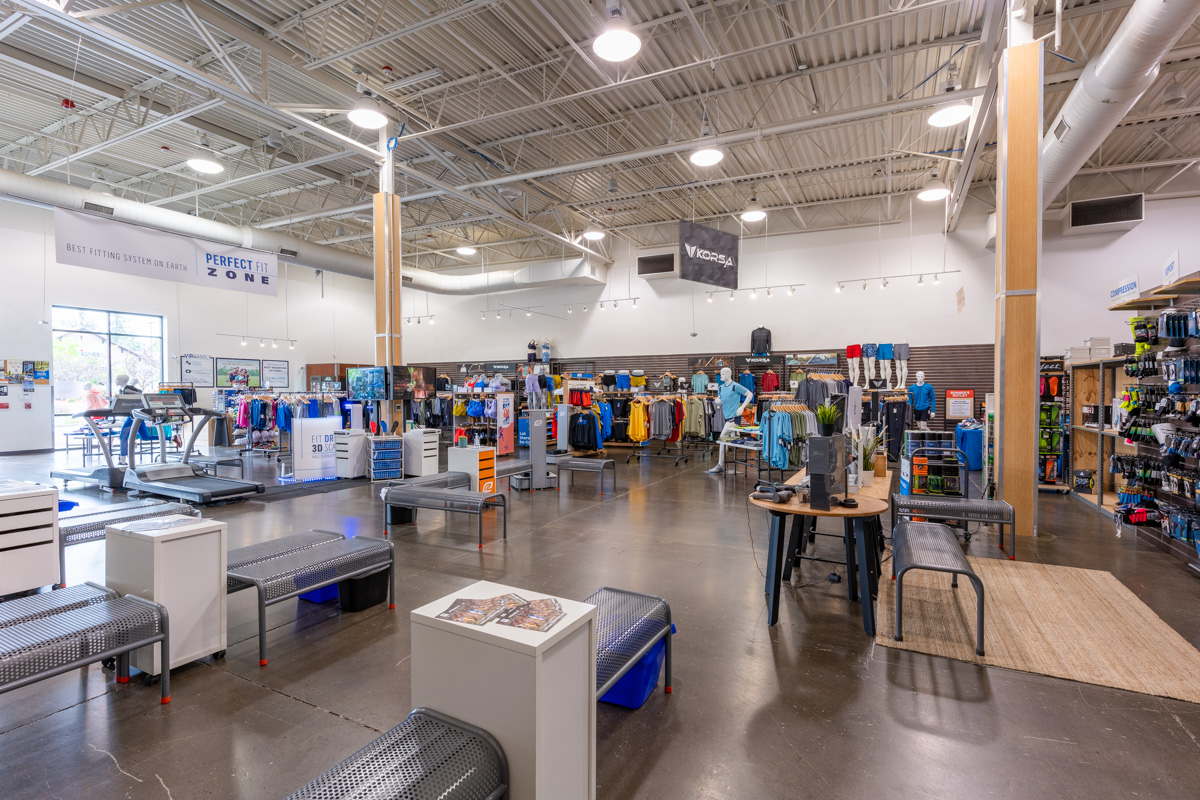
x=1018, y=251
x=387, y=289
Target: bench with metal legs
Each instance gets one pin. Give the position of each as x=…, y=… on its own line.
x=457, y=500
x=628, y=625
x=597, y=465
x=935, y=547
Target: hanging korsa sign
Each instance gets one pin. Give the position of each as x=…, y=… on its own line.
x=707, y=255
x=84, y=240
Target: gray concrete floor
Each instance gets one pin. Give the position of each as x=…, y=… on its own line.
x=809, y=708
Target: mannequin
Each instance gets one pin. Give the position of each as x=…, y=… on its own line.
x=900, y=353
x=853, y=355
x=546, y=351
x=728, y=393
x=885, y=365
x=869, y=352
x=923, y=399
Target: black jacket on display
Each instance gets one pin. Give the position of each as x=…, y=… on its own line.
x=760, y=341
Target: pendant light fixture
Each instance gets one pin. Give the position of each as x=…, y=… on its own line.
x=204, y=160
x=934, y=189
x=708, y=153
x=593, y=233
x=367, y=113
x=754, y=211
x=466, y=250
x=950, y=114
x=1174, y=95
x=618, y=42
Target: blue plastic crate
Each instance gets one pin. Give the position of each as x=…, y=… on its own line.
x=636, y=686
x=386, y=474
x=390, y=463
x=322, y=595
x=387, y=444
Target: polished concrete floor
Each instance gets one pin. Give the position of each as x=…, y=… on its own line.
x=809, y=708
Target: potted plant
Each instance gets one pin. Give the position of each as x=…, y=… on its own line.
x=868, y=448
x=827, y=415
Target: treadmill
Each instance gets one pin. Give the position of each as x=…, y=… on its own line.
x=111, y=475
x=180, y=480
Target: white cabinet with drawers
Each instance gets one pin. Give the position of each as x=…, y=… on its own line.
x=28, y=536
x=421, y=451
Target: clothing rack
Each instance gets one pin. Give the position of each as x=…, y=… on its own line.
x=664, y=450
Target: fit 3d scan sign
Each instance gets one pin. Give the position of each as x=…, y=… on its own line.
x=85, y=240
x=708, y=255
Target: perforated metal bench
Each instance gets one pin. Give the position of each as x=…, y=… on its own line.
x=628, y=624
x=440, y=480
x=90, y=525
x=429, y=756
x=960, y=509
x=47, y=634
x=506, y=469
x=457, y=500
x=597, y=465
x=274, y=548
x=302, y=570
x=932, y=546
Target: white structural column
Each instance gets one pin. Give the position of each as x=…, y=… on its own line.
x=388, y=277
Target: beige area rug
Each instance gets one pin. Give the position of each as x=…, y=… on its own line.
x=1079, y=624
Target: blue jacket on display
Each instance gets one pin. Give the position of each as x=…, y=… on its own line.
x=921, y=397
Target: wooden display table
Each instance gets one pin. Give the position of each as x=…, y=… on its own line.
x=861, y=545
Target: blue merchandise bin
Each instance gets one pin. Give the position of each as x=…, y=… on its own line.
x=322, y=595
x=635, y=686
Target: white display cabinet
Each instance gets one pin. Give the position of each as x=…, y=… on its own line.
x=28, y=536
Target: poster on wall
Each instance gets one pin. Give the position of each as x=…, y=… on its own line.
x=238, y=373
x=708, y=255
x=41, y=372
x=959, y=403
x=275, y=374
x=198, y=370
x=812, y=360
x=83, y=240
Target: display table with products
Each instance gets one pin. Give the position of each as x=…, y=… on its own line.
x=534, y=691
x=970, y=441
x=862, y=547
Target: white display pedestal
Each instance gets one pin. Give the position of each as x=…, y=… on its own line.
x=421, y=451
x=28, y=536
x=535, y=692
x=179, y=562
x=478, y=462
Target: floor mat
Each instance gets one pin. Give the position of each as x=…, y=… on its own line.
x=1079, y=624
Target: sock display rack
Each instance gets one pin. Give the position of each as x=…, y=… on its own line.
x=1054, y=429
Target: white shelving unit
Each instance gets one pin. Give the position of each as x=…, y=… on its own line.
x=386, y=457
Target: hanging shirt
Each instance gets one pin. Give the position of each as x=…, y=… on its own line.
x=770, y=382
x=760, y=341
x=747, y=379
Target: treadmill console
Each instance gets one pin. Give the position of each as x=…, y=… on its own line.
x=123, y=405
x=167, y=407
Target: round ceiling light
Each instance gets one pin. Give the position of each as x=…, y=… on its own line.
x=618, y=42
x=950, y=114
x=933, y=190
x=707, y=156
x=367, y=114
x=754, y=212
x=204, y=160
x=593, y=233
x=1174, y=95
x=466, y=251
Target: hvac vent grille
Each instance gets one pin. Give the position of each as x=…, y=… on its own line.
x=1106, y=211
x=283, y=251
x=99, y=209
x=1061, y=129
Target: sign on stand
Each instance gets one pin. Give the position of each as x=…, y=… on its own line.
x=313, y=454
x=960, y=403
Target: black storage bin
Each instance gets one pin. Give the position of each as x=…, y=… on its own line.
x=398, y=515
x=358, y=594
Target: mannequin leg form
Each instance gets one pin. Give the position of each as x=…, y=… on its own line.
x=853, y=362
x=885, y=372
x=901, y=374
x=869, y=372
x=720, y=467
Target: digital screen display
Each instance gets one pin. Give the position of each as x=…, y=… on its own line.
x=163, y=401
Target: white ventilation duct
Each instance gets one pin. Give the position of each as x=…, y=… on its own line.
x=1109, y=87
x=290, y=248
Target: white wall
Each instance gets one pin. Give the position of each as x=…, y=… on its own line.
x=815, y=318
x=1077, y=274
x=1079, y=271
x=338, y=327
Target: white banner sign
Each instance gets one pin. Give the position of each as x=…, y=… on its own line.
x=275, y=374
x=83, y=240
x=198, y=370
x=1171, y=269
x=314, y=457
x=1124, y=290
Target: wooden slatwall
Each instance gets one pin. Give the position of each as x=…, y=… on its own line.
x=968, y=366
